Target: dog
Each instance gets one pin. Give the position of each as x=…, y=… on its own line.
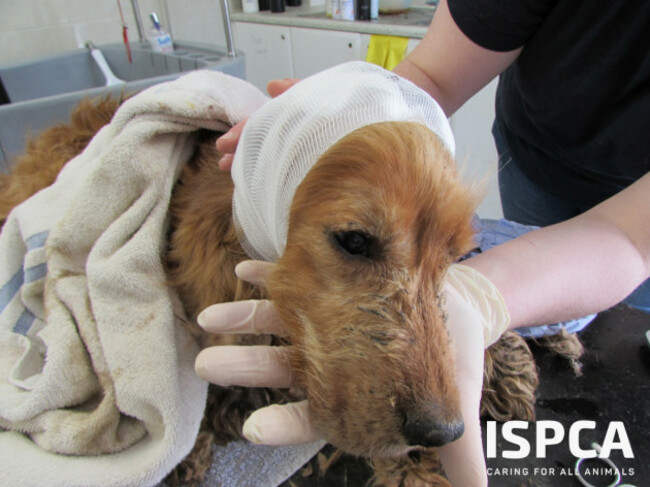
x=373, y=227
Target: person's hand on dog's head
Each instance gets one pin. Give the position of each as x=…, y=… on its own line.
x=254, y=366
x=262, y=366
x=227, y=143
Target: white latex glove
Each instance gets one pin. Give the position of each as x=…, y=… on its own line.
x=254, y=366
x=476, y=318
x=469, y=308
x=478, y=292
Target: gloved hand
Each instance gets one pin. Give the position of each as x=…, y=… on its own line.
x=477, y=316
x=467, y=284
x=254, y=366
x=472, y=304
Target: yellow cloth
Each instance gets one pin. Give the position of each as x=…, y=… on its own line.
x=386, y=51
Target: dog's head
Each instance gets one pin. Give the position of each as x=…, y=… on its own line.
x=373, y=227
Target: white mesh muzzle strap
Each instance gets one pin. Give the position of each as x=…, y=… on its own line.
x=284, y=138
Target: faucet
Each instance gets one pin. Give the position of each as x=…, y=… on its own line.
x=230, y=44
x=97, y=55
x=138, y=20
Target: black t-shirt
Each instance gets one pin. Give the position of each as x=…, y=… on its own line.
x=575, y=106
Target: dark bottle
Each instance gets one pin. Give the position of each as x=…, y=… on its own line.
x=277, y=6
x=362, y=10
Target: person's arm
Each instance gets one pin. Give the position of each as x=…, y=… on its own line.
x=577, y=267
x=449, y=66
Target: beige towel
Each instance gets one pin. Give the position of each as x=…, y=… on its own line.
x=97, y=384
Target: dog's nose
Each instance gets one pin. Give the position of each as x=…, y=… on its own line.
x=424, y=428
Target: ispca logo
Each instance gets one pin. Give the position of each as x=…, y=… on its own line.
x=549, y=433
x=512, y=445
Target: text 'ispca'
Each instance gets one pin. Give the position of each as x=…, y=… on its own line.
x=549, y=433
x=592, y=467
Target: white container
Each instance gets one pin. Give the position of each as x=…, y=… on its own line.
x=160, y=40
x=374, y=9
x=336, y=9
x=347, y=9
x=250, y=6
x=394, y=6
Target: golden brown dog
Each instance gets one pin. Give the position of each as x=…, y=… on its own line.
x=373, y=228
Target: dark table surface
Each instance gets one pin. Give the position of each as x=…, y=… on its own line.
x=614, y=387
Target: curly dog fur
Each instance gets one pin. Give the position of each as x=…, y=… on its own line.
x=373, y=227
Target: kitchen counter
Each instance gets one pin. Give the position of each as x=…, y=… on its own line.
x=412, y=23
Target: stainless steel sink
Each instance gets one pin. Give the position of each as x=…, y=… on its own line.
x=44, y=92
x=412, y=17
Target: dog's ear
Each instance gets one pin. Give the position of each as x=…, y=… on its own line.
x=459, y=222
x=448, y=203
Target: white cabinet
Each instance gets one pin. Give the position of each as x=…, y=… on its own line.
x=315, y=49
x=411, y=45
x=277, y=51
x=267, y=49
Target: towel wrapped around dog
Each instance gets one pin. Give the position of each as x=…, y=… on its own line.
x=97, y=383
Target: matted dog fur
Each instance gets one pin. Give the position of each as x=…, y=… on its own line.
x=373, y=227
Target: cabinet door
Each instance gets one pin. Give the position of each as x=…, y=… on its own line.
x=315, y=50
x=267, y=49
x=411, y=45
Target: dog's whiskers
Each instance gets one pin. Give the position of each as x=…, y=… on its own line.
x=380, y=337
x=373, y=311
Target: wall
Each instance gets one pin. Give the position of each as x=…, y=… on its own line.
x=475, y=150
x=198, y=21
x=30, y=29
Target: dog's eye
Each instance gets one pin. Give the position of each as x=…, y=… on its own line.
x=356, y=243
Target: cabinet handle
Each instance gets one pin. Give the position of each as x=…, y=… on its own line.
x=350, y=45
x=282, y=36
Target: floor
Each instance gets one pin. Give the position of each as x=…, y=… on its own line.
x=614, y=387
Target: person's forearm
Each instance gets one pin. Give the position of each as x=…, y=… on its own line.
x=562, y=272
x=411, y=71
x=577, y=267
x=448, y=65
